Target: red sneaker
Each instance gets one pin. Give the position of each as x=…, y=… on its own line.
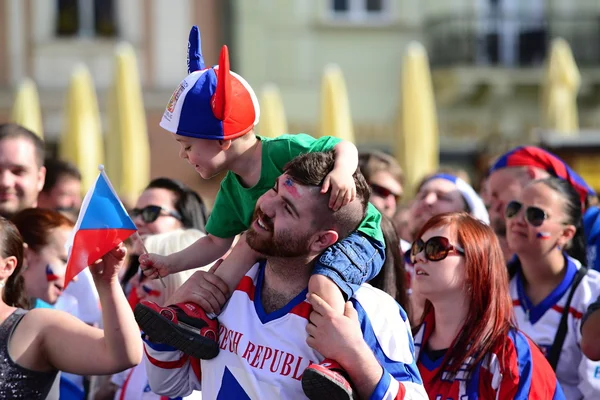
x=327, y=380
x=184, y=326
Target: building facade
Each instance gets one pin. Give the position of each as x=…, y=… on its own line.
x=44, y=39
x=486, y=58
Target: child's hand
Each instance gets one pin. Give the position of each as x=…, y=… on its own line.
x=343, y=189
x=154, y=265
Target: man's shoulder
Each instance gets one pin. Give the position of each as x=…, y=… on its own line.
x=368, y=295
x=379, y=308
x=384, y=323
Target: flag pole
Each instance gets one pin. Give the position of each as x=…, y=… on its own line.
x=145, y=251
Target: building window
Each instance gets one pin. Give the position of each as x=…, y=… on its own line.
x=86, y=18
x=359, y=10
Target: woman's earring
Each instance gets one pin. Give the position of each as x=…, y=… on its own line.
x=2, y=284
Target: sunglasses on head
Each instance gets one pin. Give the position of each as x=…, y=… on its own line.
x=384, y=192
x=151, y=213
x=436, y=248
x=535, y=216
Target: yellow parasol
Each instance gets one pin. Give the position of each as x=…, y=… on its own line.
x=127, y=146
x=272, y=114
x=559, y=91
x=26, y=110
x=81, y=137
x=336, y=119
x=417, y=144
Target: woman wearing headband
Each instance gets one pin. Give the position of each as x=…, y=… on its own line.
x=440, y=193
x=549, y=287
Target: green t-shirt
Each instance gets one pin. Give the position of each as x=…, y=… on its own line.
x=234, y=205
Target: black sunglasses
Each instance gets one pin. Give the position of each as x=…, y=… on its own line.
x=151, y=213
x=436, y=248
x=384, y=192
x=535, y=216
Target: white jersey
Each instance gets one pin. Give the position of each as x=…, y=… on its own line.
x=133, y=385
x=578, y=376
x=263, y=355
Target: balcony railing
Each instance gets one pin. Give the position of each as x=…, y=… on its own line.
x=509, y=41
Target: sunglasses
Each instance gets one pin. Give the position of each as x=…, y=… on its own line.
x=384, y=192
x=535, y=216
x=151, y=213
x=436, y=248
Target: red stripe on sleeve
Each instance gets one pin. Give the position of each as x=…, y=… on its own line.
x=166, y=364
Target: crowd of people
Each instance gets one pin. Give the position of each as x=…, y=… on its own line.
x=311, y=277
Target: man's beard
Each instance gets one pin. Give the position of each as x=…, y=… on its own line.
x=283, y=244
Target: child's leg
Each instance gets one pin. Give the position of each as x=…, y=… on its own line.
x=326, y=289
x=337, y=275
x=236, y=264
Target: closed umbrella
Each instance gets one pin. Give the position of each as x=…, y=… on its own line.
x=417, y=143
x=272, y=113
x=336, y=119
x=81, y=136
x=26, y=109
x=559, y=90
x=127, y=146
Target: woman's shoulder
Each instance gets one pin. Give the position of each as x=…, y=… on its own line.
x=39, y=319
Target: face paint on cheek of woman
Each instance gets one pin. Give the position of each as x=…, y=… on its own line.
x=51, y=276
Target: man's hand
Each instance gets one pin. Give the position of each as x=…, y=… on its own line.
x=155, y=265
x=343, y=189
x=203, y=288
x=333, y=335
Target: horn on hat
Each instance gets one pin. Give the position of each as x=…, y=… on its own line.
x=195, y=61
x=222, y=101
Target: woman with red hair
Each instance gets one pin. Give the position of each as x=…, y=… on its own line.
x=467, y=345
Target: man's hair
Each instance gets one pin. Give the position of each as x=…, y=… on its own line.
x=14, y=131
x=371, y=162
x=310, y=169
x=56, y=170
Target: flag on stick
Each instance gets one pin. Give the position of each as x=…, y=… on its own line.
x=102, y=224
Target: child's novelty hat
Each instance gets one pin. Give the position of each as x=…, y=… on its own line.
x=210, y=103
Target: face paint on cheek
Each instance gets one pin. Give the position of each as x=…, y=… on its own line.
x=543, y=235
x=50, y=274
x=291, y=188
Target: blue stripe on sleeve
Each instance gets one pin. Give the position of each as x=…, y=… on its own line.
x=400, y=371
x=524, y=359
x=382, y=387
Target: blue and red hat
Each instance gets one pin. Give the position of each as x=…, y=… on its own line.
x=210, y=103
x=531, y=156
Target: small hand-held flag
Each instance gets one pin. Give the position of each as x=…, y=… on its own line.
x=102, y=224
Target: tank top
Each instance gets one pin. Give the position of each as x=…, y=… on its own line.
x=17, y=382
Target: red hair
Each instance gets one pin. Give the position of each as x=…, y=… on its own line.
x=36, y=225
x=490, y=314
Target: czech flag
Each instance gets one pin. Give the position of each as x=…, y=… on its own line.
x=102, y=224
